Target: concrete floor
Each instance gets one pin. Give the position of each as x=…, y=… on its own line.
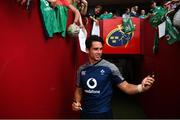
x=126, y=106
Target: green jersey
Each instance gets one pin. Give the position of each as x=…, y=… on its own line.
x=49, y=18
x=54, y=19
x=158, y=17
x=62, y=13
x=128, y=25
x=106, y=16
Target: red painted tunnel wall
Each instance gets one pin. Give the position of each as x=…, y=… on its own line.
x=162, y=101
x=36, y=74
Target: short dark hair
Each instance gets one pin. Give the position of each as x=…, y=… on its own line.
x=91, y=39
x=152, y=2
x=99, y=6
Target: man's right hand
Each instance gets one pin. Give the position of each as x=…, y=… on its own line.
x=76, y=106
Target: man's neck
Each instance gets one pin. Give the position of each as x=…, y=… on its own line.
x=94, y=62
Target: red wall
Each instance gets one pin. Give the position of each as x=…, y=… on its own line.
x=36, y=75
x=162, y=101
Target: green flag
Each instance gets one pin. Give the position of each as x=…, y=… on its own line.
x=158, y=17
x=128, y=25
x=172, y=34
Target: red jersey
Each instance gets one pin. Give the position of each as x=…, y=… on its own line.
x=63, y=2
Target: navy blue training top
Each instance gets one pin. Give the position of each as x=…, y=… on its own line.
x=96, y=81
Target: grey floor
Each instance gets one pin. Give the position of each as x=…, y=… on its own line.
x=126, y=106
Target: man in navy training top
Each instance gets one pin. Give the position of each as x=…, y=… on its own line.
x=93, y=91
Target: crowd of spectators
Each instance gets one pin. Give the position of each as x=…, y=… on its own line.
x=83, y=11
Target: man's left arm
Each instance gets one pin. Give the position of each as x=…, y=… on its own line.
x=129, y=88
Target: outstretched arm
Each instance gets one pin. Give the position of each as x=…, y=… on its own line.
x=76, y=12
x=145, y=85
x=70, y=6
x=51, y=0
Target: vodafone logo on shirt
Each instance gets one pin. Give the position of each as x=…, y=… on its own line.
x=91, y=83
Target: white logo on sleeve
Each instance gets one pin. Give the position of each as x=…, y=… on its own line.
x=91, y=83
